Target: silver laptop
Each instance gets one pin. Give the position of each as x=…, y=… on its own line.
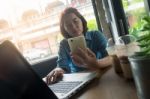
x=71, y=84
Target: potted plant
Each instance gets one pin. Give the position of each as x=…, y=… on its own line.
x=140, y=61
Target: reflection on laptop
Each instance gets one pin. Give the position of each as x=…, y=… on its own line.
x=17, y=79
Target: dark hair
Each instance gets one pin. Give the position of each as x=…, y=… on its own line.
x=63, y=15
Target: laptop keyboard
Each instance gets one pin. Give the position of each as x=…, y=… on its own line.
x=63, y=86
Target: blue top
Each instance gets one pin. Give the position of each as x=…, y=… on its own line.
x=95, y=41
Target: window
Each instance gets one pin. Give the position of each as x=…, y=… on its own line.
x=134, y=11
x=33, y=25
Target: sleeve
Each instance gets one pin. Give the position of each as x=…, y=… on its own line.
x=101, y=43
x=63, y=57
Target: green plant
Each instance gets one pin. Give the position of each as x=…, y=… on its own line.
x=135, y=30
x=92, y=25
x=143, y=38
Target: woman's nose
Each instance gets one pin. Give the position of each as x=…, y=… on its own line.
x=73, y=26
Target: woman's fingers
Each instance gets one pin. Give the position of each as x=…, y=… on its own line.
x=84, y=58
x=90, y=52
x=53, y=76
x=82, y=53
x=85, y=54
x=77, y=60
x=49, y=77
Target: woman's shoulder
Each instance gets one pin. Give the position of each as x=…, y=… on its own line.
x=94, y=33
x=63, y=42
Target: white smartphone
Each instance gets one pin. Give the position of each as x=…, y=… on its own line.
x=76, y=42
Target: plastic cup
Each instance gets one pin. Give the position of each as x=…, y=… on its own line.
x=111, y=49
x=126, y=47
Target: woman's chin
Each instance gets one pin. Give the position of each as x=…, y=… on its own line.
x=79, y=35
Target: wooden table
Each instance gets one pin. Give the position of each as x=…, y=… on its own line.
x=109, y=86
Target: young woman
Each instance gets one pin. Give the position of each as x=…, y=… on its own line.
x=73, y=24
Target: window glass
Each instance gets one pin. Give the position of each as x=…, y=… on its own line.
x=33, y=25
x=134, y=10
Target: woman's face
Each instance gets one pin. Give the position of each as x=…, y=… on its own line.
x=73, y=25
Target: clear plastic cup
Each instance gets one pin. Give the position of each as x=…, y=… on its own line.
x=111, y=49
x=126, y=47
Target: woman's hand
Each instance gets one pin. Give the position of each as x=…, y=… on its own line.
x=54, y=75
x=85, y=58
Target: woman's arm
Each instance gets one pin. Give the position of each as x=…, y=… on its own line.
x=63, y=56
x=62, y=64
x=86, y=58
x=105, y=62
x=100, y=42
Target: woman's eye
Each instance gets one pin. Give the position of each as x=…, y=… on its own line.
x=76, y=21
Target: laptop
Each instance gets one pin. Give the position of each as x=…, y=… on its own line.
x=70, y=84
x=17, y=79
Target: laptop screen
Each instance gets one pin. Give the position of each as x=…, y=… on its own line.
x=17, y=79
